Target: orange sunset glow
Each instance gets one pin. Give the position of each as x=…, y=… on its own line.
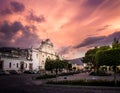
x=74, y=26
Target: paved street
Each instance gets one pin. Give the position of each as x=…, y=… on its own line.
x=86, y=76
x=25, y=84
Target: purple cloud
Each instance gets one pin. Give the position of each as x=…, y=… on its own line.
x=90, y=40
x=33, y=17
x=17, y=7
x=98, y=41
x=11, y=7
x=6, y=11
x=93, y=2
x=8, y=31
x=64, y=50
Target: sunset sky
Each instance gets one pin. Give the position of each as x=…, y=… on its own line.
x=74, y=26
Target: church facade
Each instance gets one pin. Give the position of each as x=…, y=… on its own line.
x=27, y=59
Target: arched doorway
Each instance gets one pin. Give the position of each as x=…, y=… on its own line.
x=1, y=65
x=22, y=66
x=30, y=66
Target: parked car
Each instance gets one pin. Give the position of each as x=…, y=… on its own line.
x=14, y=72
x=4, y=72
x=30, y=72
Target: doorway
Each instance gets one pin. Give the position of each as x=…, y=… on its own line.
x=1, y=65
x=22, y=66
x=30, y=66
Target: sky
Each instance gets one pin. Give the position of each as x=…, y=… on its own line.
x=74, y=26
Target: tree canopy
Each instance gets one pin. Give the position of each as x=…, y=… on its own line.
x=56, y=65
x=104, y=55
x=109, y=57
x=116, y=43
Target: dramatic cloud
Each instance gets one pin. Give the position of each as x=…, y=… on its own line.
x=90, y=40
x=111, y=37
x=11, y=7
x=6, y=11
x=93, y=3
x=8, y=30
x=64, y=50
x=98, y=41
x=104, y=28
x=33, y=17
x=73, y=26
x=17, y=7
x=15, y=34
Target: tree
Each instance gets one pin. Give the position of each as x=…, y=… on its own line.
x=49, y=65
x=104, y=55
x=69, y=66
x=90, y=58
x=57, y=65
x=116, y=43
x=109, y=57
x=104, y=48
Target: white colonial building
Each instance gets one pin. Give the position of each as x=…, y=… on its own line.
x=26, y=59
x=39, y=55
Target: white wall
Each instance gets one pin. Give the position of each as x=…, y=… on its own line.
x=44, y=51
x=35, y=59
x=39, y=57
x=7, y=61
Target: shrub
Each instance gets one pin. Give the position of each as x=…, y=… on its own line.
x=46, y=76
x=100, y=73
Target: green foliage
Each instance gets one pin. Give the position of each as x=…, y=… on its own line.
x=109, y=57
x=116, y=43
x=103, y=48
x=49, y=64
x=69, y=66
x=104, y=56
x=56, y=65
x=46, y=76
x=90, y=56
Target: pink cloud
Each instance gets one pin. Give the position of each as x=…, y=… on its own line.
x=67, y=22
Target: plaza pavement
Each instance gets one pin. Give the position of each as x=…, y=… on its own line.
x=85, y=76
x=79, y=76
x=26, y=84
